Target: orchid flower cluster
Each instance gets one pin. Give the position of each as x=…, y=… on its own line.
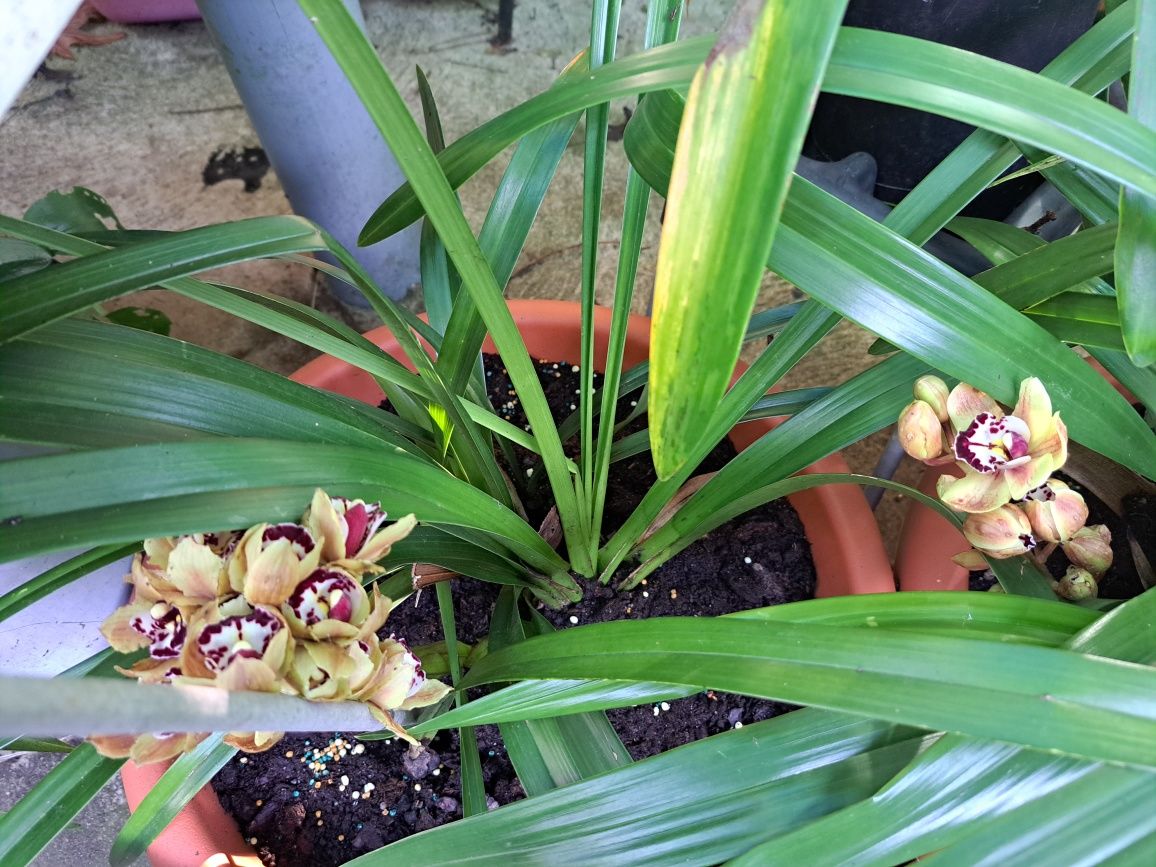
x=275, y=608
x=1005, y=460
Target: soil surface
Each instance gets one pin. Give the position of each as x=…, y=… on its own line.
x=295, y=815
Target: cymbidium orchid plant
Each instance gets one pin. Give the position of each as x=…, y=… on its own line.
x=275, y=608
x=1003, y=483
x=928, y=733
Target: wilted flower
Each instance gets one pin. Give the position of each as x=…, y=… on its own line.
x=1001, y=533
x=1090, y=548
x=921, y=432
x=1055, y=511
x=352, y=532
x=1004, y=456
x=1076, y=584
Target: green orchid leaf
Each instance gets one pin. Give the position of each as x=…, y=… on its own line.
x=702, y=803
x=18, y=258
x=386, y=107
x=135, y=387
x=1097, y=819
x=1012, y=619
x=881, y=66
x=37, y=745
x=53, y=803
x=938, y=683
x=728, y=184
x=60, y=576
x=37, y=299
x=1136, y=252
x=437, y=287
x=174, y=488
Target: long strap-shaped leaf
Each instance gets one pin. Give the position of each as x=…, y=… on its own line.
x=1089, y=64
x=911, y=815
x=981, y=617
x=278, y=314
x=53, y=802
x=369, y=78
x=1136, y=252
x=885, y=66
x=939, y=683
x=129, y=379
x=174, y=488
x=37, y=299
x=699, y=804
x=728, y=184
x=61, y=575
x=870, y=275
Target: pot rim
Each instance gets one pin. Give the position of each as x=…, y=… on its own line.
x=856, y=564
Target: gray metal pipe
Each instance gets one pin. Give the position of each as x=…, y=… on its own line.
x=331, y=161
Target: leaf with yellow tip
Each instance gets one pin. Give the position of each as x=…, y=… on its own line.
x=747, y=113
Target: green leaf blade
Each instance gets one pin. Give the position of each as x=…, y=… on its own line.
x=1136, y=250
x=723, y=207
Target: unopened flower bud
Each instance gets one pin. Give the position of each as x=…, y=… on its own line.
x=921, y=432
x=933, y=391
x=971, y=560
x=1001, y=533
x=1055, y=511
x=1091, y=548
x=1076, y=584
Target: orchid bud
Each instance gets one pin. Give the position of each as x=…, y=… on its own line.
x=920, y=431
x=1091, y=548
x=933, y=391
x=1001, y=533
x=1076, y=584
x=971, y=560
x=1055, y=511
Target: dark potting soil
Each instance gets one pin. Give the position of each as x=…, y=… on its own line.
x=299, y=816
x=1122, y=580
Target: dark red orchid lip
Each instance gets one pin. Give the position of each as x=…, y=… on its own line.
x=300, y=538
x=325, y=595
x=219, y=642
x=362, y=520
x=166, y=633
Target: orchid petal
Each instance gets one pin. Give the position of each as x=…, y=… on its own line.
x=975, y=492
x=196, y=571
x=966, y=402
x=381, y=542
x=272, y=576
x=1034, y=406
x=430, y=692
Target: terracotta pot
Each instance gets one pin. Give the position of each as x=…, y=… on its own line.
x=928, y=541
x=846, y=546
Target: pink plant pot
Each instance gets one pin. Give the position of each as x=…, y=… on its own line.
x=147, y=11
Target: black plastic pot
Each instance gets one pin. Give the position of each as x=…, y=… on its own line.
x=908, y=144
